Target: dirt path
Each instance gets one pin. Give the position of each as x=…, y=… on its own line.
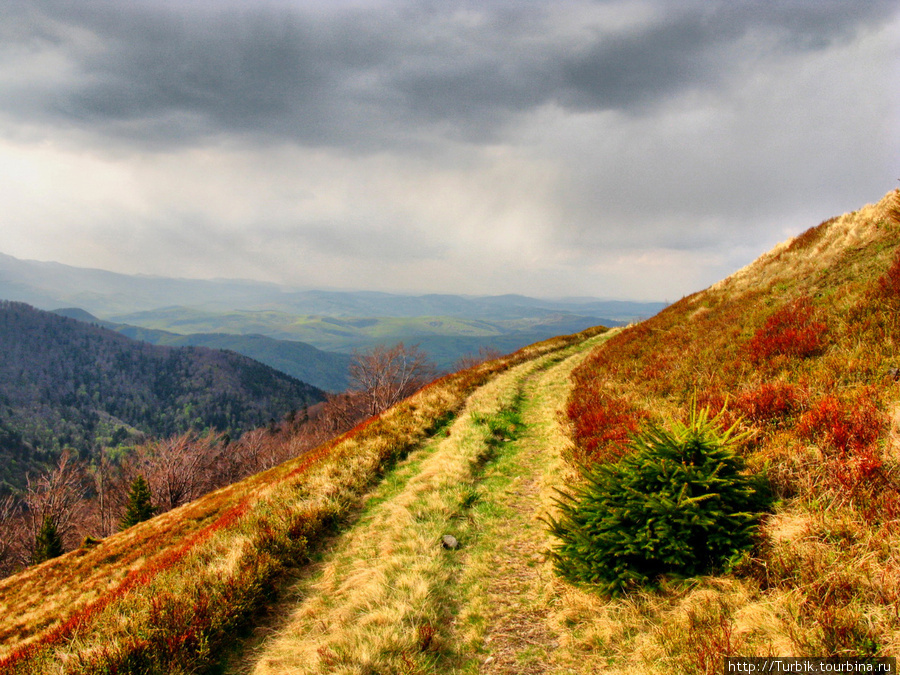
x=513, y=582
x=388, y=598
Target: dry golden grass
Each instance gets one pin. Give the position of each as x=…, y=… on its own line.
x=157, y=597
x=384, y=600
x=823, y=579
x=40, y=598
x=509, y=588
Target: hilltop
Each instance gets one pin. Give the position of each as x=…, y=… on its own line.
x=797, y=352
x=66, y=383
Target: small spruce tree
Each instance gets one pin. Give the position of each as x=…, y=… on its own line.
x=679, y=504
x=47, y=543
x=140, y=504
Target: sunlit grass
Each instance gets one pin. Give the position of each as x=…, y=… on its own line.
x=384, y=600
x=158, y=597
x=799, y=349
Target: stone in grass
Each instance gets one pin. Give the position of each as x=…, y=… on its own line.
x=450, y=542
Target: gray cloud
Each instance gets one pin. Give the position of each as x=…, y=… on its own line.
x=547, y=138
x=374, y=75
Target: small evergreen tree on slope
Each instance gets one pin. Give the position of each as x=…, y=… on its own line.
x=140, y=504
x=47, y=543
x=679, y=504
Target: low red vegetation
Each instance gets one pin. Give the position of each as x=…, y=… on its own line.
x=602, y=425
x=889, y=283
x=770, y=402
x=141, y=577
x=791, y=331
x=841, y=425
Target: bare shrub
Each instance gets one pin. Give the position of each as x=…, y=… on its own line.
x=12, y=528
x=387, y=375
x=179, y=469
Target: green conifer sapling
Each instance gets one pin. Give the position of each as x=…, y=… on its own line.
x=140, y=504
x=47, y=543
x=680, y=504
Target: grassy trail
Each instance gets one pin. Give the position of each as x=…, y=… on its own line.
x=389, y=598
x=511, y=591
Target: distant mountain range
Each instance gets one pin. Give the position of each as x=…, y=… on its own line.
x=205, y=311
x=66, y=383
x=49, y=285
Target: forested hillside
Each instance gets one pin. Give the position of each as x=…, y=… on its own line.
x=325, y=370
x=64, y=383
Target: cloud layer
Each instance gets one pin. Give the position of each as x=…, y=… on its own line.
x=634, y=148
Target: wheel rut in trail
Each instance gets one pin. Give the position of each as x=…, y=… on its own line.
x=512, y=583
x=388, y=598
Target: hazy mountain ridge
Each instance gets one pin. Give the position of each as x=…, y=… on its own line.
x=448, y=327
x=49, y=285
x=65, y=383
x=322, y=369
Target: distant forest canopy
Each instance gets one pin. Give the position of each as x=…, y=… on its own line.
x=64, y=383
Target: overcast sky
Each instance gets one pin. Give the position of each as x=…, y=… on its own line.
x=635, y=149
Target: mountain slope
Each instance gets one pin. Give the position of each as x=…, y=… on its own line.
x=64, y=383
x=799, y=350
x=325, y=370
x=189, y=577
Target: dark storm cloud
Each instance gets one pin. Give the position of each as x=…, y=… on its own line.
x=700, y=45
x=614, y=147
x=383, y=74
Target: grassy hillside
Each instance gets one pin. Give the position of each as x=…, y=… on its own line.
x=798, y=350
x=161, y=594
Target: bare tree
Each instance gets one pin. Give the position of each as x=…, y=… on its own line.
x=105, y=484
x=256, y=451
x=58, y=495
x=11, y=531
x=470, y=361
x=387, y=375
x=179, y=469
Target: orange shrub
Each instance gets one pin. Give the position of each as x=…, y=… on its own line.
x=770, y=403
x=841, y=425
x=790, y=331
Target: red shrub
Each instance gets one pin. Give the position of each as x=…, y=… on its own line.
x=889, y=283
x=841, y=425
x=602, y=425
x=790, y=331
x=770, y=402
